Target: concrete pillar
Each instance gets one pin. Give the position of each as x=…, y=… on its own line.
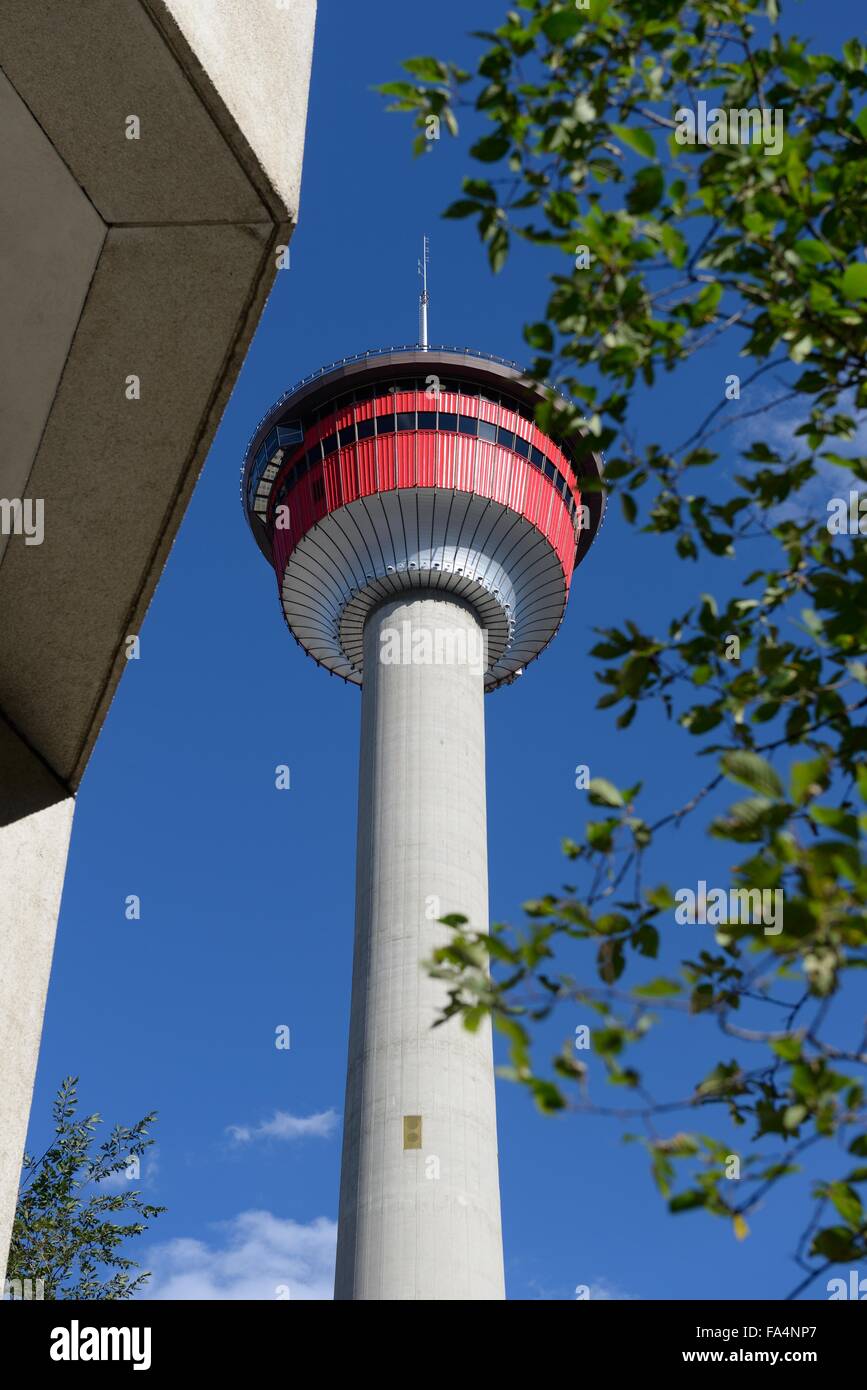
x=35, y=824
x=418, y=1223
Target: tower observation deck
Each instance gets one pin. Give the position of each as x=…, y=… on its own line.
x=424, y=533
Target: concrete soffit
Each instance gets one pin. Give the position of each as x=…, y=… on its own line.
x=149, y=258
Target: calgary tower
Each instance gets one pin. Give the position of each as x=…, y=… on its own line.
x=424, y=532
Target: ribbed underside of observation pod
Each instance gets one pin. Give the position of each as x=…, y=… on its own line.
x=412, y=539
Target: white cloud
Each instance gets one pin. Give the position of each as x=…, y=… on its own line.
x=777, y=427
x=261, y=1257
x=286, y=1126
x=777, y=430
x=603, y=1290
x=118, y=1182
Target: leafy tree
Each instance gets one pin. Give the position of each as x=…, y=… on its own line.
x=668, y=249
x=66, y=1237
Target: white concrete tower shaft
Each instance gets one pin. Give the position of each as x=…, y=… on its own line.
x=419, y=1193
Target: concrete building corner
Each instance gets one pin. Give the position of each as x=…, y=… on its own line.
x=152, y=159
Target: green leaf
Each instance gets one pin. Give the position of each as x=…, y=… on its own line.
x=807, y=780
x=662, y=897
x=663, y=1171
x=657, y=989
x=612, y=922
x=540, y=337
x=675, y=245
x=793, y=1116
x=788, y=1048
x=848, y=1203
x=812, y=252
x=562, y=24
x=688, y=1201
x=498, y=249
x=405, y=91
x=625, y=719
x=751, y=770
x=608, y=1042
x=646, y=191
x=855, y=281
x=603, y=793
x=639, y=140
x=611, y=961
x=835, y=1243
x=428, y=69
x=699, y=458
x=547, y=1096
x=701, y=719
x=706, y=304
x=491, y=148
x=464, y=207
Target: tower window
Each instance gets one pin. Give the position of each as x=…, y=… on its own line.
x=487, y=431
x=468, y=424
x=412, y=1131
x=427, y=419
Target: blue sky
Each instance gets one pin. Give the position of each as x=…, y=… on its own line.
x=247, y=892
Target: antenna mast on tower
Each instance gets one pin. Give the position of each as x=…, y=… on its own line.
x=424, y=298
